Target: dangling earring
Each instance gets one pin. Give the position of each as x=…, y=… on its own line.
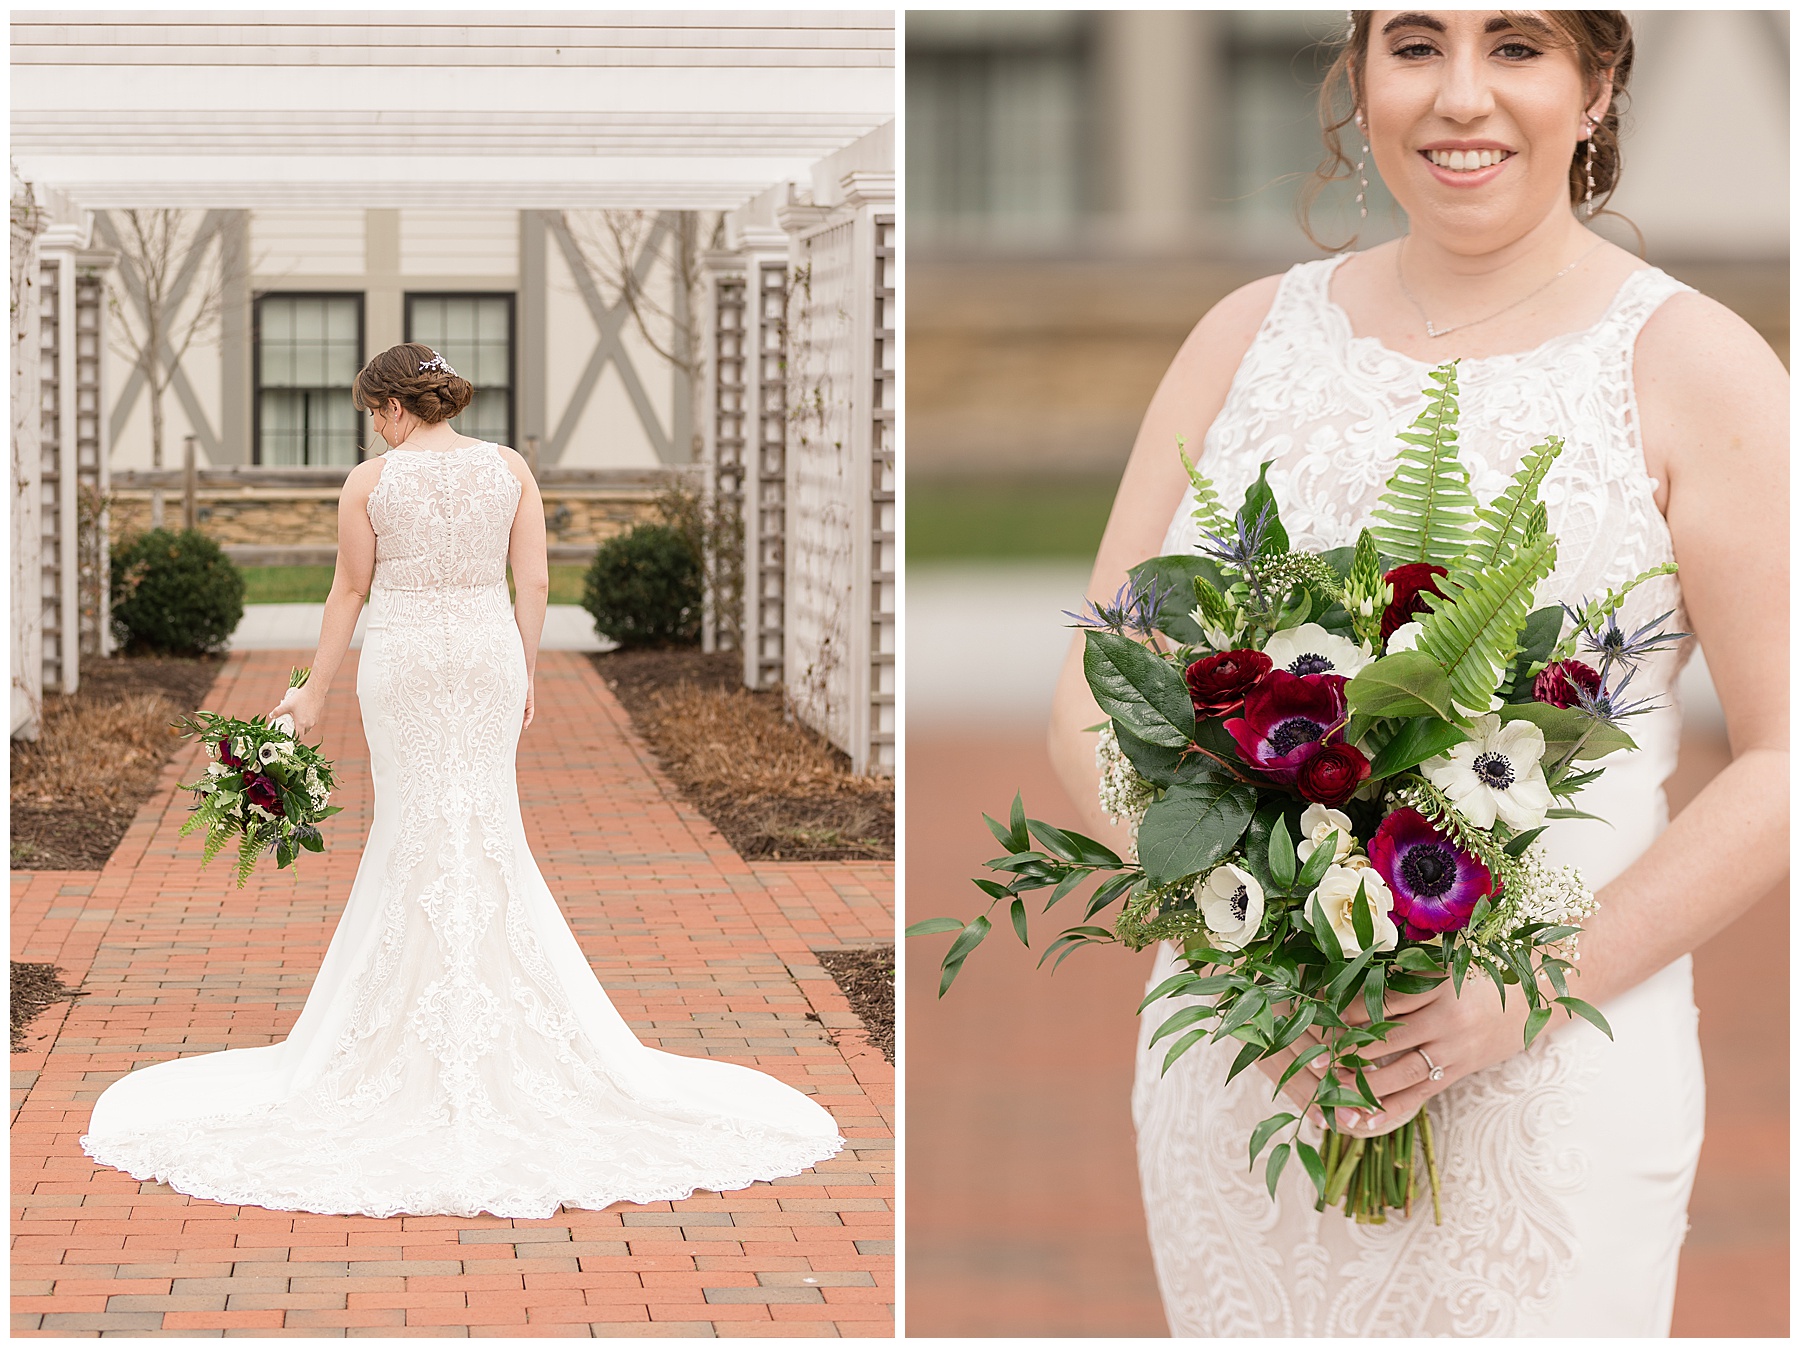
x=1588, y=201
x=1362, y=204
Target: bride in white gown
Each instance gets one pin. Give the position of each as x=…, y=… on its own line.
x=1568, y=1166
x=456, y=1054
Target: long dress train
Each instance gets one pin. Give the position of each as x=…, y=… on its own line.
x=1567, y=1167
x=456, y=1054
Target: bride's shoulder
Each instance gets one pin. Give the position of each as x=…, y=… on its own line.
x=1224, y=333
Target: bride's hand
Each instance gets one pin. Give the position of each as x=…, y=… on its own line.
x=305, y=705
x=530, y=703
x=1461, y=1035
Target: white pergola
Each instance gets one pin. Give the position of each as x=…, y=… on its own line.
x=437, y=109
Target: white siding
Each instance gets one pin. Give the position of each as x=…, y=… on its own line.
x=294, y=244
x=460, y=243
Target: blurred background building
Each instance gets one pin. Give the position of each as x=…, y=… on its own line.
x=219, y=217
x=1081, y=188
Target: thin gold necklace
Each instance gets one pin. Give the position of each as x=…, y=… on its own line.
x=1432, y=330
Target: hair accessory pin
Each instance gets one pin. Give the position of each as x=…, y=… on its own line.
x=436, y=363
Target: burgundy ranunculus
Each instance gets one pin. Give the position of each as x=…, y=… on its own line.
x=1435, y=884
x=1332, y=775
x=259, y=790
x=226, y=757
x=1557, y=684
x=1410, y=582
x=1287, y=719
x=1218, y=683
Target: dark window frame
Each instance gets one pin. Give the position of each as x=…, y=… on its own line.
x=512, y=340
x=256, y=383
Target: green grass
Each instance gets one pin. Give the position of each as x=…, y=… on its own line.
x=310, y=584
x=1039, y=518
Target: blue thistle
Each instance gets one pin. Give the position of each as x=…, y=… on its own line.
x=1135, y=608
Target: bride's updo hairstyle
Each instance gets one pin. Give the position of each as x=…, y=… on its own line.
x=1602, y=43
x=420, y=378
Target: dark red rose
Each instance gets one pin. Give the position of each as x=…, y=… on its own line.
x=259, y=790
x=1219, y=682
x=1332, y=775
x=1410, y=582
x=228, y=758
x=1287, y=719
x=1557, y=684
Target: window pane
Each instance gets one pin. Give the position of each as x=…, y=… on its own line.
x=309, y=356
x=471, y=332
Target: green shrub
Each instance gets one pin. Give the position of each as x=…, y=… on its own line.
x=174, y=593
x=644, y=588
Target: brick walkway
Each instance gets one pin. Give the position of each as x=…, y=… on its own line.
x=701, y=952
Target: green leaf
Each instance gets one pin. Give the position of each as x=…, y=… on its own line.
x=1315, y=1165
x=1139, y=689
x=1258, y=500
x=1418, y=739
x=1516, y=845
x=1181, y=1020
x=1209, y=510
x=972, y=936
x=1176, y=575
x=1316, y=864
x=1305, y=1056
x=1181, y=1046
x=1019, y=923
x=1500, y=527
x=1472, y=632
x=1175, y=986
x=1535, y=1021
x=1406, y=683
x=1426, y=514
x=1246, y=1055
x=1574, y=814
x=1256, y=843
x=932, y=926
x=1565, y=727
x=1542, y=627
x=1374, y=992
x=1260, y=1135
x=1418, y=959
x=1157, y=764
x=1278, y=1160
x=1020, y=836
x=1282, y=862
x=1587, y=1013
x=1192, y=828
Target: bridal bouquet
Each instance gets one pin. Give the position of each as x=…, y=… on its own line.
x=1337, y=768
x=263, y=788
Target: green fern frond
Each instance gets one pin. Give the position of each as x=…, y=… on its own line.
x=215, y=843
x=1209, y=511
x=1505, y=525
x=1473, y=631
x=248, y=851
x=1598, y=610
x=1427, y=512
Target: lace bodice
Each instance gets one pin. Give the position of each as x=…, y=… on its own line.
x=1327, y=407
x=443, y=524
x=1556, y=1221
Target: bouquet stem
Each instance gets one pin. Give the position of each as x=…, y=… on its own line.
x=1371, y=1175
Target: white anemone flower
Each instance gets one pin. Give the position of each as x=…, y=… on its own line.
x=1232, y=903
x=1310, y=649
x=1336, y=899
x=1405, y=637
x=268, y=753
x=1499, y=774
x=1316, y=823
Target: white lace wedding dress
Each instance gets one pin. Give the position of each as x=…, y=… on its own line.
x=456, y=1054
x=1567, y=1168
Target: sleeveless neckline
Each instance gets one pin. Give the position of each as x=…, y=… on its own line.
x=396, y=449
x=1337, y=314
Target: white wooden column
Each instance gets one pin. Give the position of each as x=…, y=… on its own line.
x=27, y=485
x=724, y=412
x=765, y=483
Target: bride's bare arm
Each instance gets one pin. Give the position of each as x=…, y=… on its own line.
x=528, y=556
x=1712, y=399
x=1189, y=397
x=349, y=588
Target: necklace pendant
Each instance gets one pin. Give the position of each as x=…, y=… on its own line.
x=1431, y=331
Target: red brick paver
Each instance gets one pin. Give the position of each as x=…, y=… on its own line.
x=701, y=951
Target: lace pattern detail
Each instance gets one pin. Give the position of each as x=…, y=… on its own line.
x=1325, y=406
x=457, y=1065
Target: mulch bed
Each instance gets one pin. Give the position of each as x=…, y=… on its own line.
x=97, y=757
x=774, y=788
x=35, y=988
x=866, y=978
